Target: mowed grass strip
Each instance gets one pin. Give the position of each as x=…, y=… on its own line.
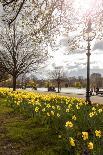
x=20, y=135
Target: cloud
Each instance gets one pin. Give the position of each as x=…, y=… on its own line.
x=98, y=45
x=75, y=64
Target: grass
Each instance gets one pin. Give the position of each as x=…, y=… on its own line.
x=20, y=135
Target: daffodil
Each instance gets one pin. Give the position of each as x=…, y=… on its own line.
x=52, y=112
x=48, y=114
x=69, y=124
x=53, y=107
x=58, y=107
x=36, y=109
x=72, y=141
x=85, y=135
x=77, y=106
x=98, y=133
x=100, y=110
x=69, y=106
x=58, y=115
x=91, y=114
x=67, y=110
x=48, y=105
x=94, y=109
x=74, y=117
x=90, y=146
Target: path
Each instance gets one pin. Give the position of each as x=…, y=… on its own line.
x=94, y=99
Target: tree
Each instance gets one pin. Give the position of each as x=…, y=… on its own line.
x=96, y=80
x=44, y=19
x=3, y=73
x=65, y=14
x=77, y=84
x=13, y=8
x=57, y=74
x=18, y=53
x=24, y=80
x=33, y=82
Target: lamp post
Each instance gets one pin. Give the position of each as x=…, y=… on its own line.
x=88, y=35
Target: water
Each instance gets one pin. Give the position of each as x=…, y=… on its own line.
x=64, y=90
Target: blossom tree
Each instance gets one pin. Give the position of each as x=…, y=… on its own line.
x=18, y=52
x=3, y=73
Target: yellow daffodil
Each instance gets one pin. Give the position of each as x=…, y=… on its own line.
x=36, y=109
x=69, y=124
x=74, y=117
x=91, y=114
x=48, y=114
x=85, y=135
x=100, y=110
x=66, y=102
x=94, y=109
x=58, y=107
x=98, y=133
x=53, y=107
x=48, y=105
x=69, y=106
x=90, y=146
x=67, y=110
x=72, y=141
x=58, y=115
x=18, y=102
x=77, y=106
x=52, y=112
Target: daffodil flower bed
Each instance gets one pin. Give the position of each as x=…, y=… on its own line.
x=78, y=125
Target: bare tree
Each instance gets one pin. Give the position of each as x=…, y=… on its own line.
x=19, y=53
x=57, y=74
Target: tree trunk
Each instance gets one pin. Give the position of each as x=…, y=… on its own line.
x=14, y=82
x=58, y=86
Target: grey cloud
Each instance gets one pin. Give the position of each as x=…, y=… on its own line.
x=75, y=66
x=82, y=72
x=98, y=45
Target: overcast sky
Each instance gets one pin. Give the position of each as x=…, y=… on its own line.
x=75, y=64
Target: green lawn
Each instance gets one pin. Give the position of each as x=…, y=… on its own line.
x=48, y=133
x=20, y=135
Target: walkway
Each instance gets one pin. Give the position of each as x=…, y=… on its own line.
x=94, y=99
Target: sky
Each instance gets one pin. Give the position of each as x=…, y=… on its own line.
x=74, y=64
